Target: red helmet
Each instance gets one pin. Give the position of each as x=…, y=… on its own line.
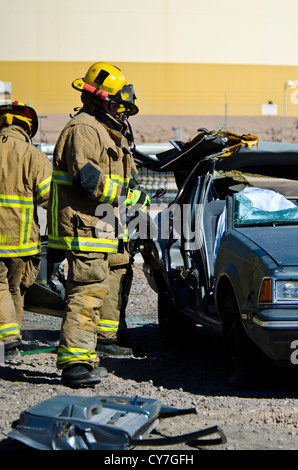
x=19, y=113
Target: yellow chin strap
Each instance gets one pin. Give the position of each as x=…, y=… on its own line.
x=8, y=119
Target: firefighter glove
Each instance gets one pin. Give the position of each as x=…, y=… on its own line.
x=137, y=197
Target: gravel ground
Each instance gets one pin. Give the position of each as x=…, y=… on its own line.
x=257, y=419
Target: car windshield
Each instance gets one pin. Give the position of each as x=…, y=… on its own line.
x=256, y=206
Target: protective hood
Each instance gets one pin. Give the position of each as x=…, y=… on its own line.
x=9, y=119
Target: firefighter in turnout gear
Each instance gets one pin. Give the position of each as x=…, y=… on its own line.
x=25, y=177
x=93, y=167
x=112, y=326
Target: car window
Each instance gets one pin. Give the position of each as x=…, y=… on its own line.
x=256, y=206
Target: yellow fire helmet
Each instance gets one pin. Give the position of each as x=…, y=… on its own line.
x=108, y=83
x=20, y=114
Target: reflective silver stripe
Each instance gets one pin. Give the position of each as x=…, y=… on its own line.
x=9, y=329
x=18, y=201
x=43, y=187
x=107, y=325
x=61, y=177
x=26, y=206
x=75, y=354
x=83, y=244
x=27, y=224
x=109, y=193
x=17, y=251
x=110, y=189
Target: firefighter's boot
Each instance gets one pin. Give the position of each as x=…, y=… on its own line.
x=108, y=349
x=12, y=353
x=79, y=375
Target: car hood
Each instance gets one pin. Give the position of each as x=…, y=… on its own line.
x=279, y=242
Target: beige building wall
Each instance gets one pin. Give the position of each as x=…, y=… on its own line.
x=184, y=58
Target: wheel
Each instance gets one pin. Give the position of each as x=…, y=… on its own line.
x=244, y=362
x=175, y=329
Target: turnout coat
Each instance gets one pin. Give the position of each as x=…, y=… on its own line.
x=25, y=177
x=92, y=169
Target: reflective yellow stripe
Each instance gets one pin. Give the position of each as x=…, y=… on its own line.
x=61, y=177
x=8, y=200
x=120, y=179
x=27, y=216
x=9, y=329
x=83, y=244
x=75, y=354
x=54, y=208
x=107, y=325
x=110, y=191
x=43, y=187
x=125, y=237
x=110, y=188
x=20, y=250
x=114, y=193
x=26, y=205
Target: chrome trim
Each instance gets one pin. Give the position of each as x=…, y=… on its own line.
x=275, y=324
x=284, y=301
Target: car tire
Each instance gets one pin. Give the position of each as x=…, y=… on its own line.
x=244, y=362
x=175, y=329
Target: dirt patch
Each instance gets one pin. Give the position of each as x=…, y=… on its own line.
x=163, y=128
x=264, y=418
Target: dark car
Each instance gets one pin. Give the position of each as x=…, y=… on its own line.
x=225, y=255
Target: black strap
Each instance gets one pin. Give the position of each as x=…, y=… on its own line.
x=169, y=412
x=193, y=439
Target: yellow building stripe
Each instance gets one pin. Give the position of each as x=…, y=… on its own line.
x=182, y=89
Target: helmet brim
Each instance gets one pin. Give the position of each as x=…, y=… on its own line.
x=78, y=84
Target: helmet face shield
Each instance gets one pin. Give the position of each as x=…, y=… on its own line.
x=127, y=93
x=126, y=98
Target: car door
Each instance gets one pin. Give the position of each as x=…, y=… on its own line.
x=186, y=257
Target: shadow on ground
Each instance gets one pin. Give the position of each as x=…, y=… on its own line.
x=197, y=368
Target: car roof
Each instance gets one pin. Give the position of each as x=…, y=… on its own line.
x=227, y=151
x=274, y=159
